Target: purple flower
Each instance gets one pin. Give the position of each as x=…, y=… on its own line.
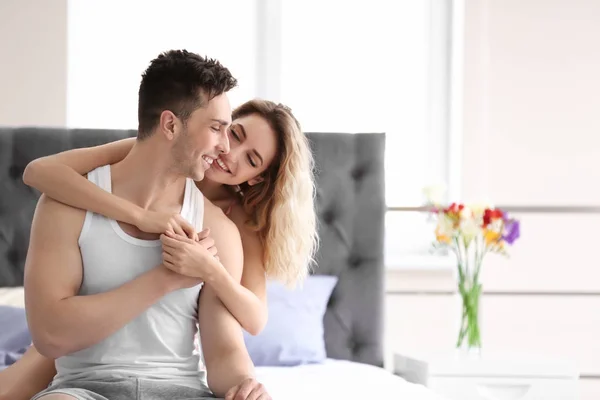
x=511, y=231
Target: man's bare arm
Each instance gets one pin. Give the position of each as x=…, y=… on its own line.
x=60, y=321
x=227, y=360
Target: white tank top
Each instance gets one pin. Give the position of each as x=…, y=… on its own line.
x=160, y=342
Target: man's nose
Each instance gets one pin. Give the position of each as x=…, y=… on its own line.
x=223, y=144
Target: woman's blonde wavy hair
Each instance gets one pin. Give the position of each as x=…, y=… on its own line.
x=282, y=205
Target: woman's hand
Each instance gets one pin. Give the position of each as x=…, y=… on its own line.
x=168, y=223
x=196, y=259
x=175, y=281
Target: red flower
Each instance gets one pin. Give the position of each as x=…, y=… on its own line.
x=490, y=215
x=453, y=213
x=454, y=208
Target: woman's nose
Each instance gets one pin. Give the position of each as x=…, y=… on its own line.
x=234, y=151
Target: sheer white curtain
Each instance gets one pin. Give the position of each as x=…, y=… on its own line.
x=111, y=42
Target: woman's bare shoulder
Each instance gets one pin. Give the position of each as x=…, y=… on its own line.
x=240, y=218
x=254, y=268
x=215, y=215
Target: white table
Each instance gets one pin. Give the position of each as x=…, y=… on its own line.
x=457, y=376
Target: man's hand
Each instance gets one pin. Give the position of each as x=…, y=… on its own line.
x=248, y=389
x=196, y=259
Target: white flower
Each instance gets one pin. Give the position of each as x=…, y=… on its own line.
x=466, y=213
x=445, y=226
x=479, y=207
x=469, y=229
x=434, y=194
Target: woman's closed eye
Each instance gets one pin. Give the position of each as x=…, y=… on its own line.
x=238, y=139
x=234, y=134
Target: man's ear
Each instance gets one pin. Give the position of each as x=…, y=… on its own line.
x=168, y=124
x=256, y=180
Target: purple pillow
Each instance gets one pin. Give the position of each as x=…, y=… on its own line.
x=294, y=333
x=14, y=334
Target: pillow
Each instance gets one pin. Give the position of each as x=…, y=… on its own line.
x=294, y=333
x=14, y=334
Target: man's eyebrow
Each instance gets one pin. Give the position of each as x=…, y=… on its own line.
x=221, y=121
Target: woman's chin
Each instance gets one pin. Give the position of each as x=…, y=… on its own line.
x=216, y=176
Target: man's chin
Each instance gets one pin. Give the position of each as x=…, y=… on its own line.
x=197, y=175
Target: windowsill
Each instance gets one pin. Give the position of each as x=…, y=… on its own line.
x=420, y=274
x=420, y=263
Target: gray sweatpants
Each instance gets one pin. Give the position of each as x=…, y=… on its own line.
x=125, y=389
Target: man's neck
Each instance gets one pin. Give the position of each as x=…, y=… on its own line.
x=146, y=177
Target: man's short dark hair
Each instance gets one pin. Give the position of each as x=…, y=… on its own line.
x=181, y=82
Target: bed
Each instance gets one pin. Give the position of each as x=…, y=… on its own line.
x=351, y=207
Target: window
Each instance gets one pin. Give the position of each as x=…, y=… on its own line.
x=345, y=66
x=111, y=42
x=377, y=66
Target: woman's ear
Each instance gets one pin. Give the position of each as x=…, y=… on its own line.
x=256, y=180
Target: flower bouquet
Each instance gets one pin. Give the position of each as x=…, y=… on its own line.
x=470, y=232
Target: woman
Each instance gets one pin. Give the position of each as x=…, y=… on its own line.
x=264, y=184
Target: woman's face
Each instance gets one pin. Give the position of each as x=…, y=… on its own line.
x=253, y=146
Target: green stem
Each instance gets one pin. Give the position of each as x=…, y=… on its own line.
x=480, y=252
x=469, y=329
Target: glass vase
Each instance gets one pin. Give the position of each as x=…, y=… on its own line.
x=469, y=335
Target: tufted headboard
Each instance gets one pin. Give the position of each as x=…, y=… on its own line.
x=350, y=205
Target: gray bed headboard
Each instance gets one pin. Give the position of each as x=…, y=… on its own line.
x=350, y=205
x=351, y=209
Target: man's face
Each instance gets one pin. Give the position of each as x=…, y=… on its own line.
x=203, y=138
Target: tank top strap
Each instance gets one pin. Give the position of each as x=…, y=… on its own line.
x=103, y=178
x=196, y=215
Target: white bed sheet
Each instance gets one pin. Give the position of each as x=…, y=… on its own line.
x=333, y=379
x=12, y=297
x=336, y=379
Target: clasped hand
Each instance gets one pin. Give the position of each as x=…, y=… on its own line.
x=188, y=257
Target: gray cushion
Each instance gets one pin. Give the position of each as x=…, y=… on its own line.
x=350, y=202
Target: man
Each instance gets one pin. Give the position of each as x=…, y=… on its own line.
x=99, y=300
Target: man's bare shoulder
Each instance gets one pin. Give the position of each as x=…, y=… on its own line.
x=60, y=217
x=48, y=204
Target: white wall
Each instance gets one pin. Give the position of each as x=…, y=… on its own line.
x=532, y=133
x=33, y=62
x=531, y=138
x=532, y=100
